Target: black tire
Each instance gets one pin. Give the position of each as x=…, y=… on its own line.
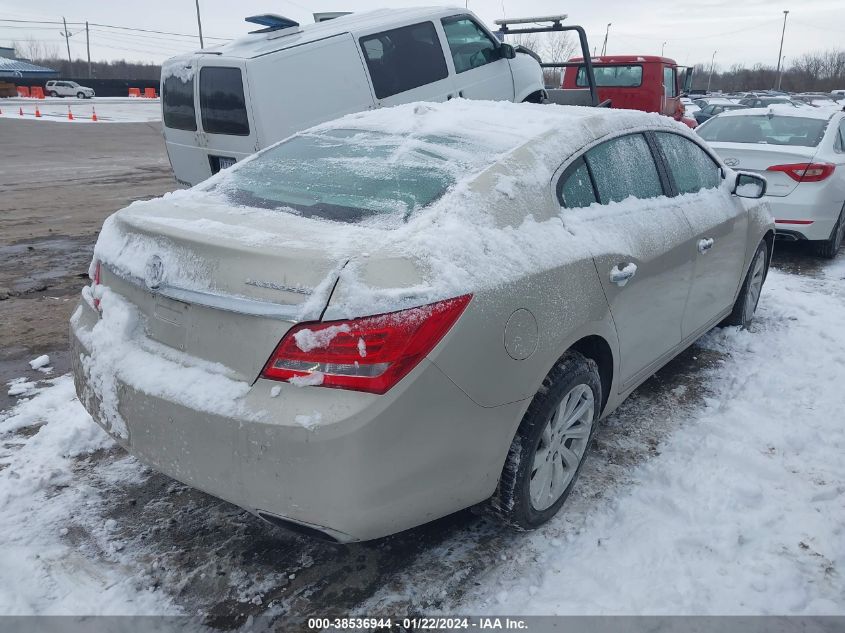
x=80, y=95
x=53, y=93
x=511, y=503
x=741, y=315
x=830, y=247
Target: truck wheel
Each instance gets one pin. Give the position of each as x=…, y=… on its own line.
x=548, y=450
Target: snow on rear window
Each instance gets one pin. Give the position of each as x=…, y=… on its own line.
x=348, y=175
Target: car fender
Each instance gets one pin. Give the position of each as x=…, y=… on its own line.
x=527, y=76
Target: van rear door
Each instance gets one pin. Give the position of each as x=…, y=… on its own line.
x=228, y=131
x=179, y=119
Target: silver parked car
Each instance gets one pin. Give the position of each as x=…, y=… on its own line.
x=409, y=311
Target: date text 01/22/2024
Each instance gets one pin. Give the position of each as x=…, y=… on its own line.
x=417, y=624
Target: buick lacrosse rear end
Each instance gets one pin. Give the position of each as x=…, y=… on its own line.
x=406, y=312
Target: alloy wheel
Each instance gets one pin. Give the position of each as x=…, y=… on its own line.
x=755, y=285
x=561, y=447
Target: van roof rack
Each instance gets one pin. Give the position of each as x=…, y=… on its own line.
x=271, y=21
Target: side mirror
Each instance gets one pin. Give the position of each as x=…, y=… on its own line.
x=749, y=185
x=506, y=51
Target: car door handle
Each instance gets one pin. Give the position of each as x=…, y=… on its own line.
x=621, y=276
x=705, y=244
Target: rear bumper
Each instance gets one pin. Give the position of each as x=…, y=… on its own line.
x=797, y=207
x=353, y=466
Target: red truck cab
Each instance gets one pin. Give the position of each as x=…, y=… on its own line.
x=635, y=82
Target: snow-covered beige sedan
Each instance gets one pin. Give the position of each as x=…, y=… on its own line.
x=405, y=312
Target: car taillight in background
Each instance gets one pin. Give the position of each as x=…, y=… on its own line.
x=368, y=354
x=805, y=172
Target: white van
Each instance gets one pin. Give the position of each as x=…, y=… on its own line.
x=220, y=105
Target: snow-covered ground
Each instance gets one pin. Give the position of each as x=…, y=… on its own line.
x=738, y=509
x=109, y=109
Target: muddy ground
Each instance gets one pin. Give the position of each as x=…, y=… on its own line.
x=58, y=184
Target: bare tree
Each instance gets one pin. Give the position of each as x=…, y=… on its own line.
x=551, y=47
x=32, y=49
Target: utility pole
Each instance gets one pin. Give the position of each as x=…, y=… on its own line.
x=712, y=65
x=67, y=40
x=663, y=48
x=780, y=52
x=199, y=24
x=88, y=48
x=606, y=33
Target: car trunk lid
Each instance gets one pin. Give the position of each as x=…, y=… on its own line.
x=218, y=284
x=759, y=157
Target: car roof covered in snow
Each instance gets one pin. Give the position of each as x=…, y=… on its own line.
x=257, y=44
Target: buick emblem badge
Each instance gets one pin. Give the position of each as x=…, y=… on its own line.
x=154, y=272
x=731, y=162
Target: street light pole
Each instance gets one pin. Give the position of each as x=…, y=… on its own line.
x=199, y=24
x=606, y=33
x=780, y=52
x=712, y=65
x=663, y=48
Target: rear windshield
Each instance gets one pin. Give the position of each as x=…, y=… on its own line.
x=222, y=103
x=351, y=175
x=617, y=76
x=774, y=130
x=177, y=100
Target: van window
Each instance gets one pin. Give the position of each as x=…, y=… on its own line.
x=691, y=167
x=222, y=103
x=575, y=188
x=404, y=58
x=623, y=167
x=618, y=75
x=470, y=45
x=669, y=83
x=177, y=99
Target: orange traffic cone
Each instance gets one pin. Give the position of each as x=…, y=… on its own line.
x=94, y=115
x=21, y=112
x=37, y=113
x=69, y=114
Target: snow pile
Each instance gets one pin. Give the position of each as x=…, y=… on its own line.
x=742, y=511
x=20, y=386
x=121, y=353
x=41, y=361
x=42, y=571
x=308, y=340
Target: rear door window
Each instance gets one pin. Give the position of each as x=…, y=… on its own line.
x=575, y=187
x=222, y=103
x=403, y=59
x=470, y=45
x=623, y=167
x=691, y=167
x=177, y=98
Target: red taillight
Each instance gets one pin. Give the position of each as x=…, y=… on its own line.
x=369, y=354
x=805, y=172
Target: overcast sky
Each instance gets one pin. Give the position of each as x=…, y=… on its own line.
x=741, y=31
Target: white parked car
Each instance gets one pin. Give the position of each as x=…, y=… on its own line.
x=57, y=88
x=222, y=105
x=801, y=152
